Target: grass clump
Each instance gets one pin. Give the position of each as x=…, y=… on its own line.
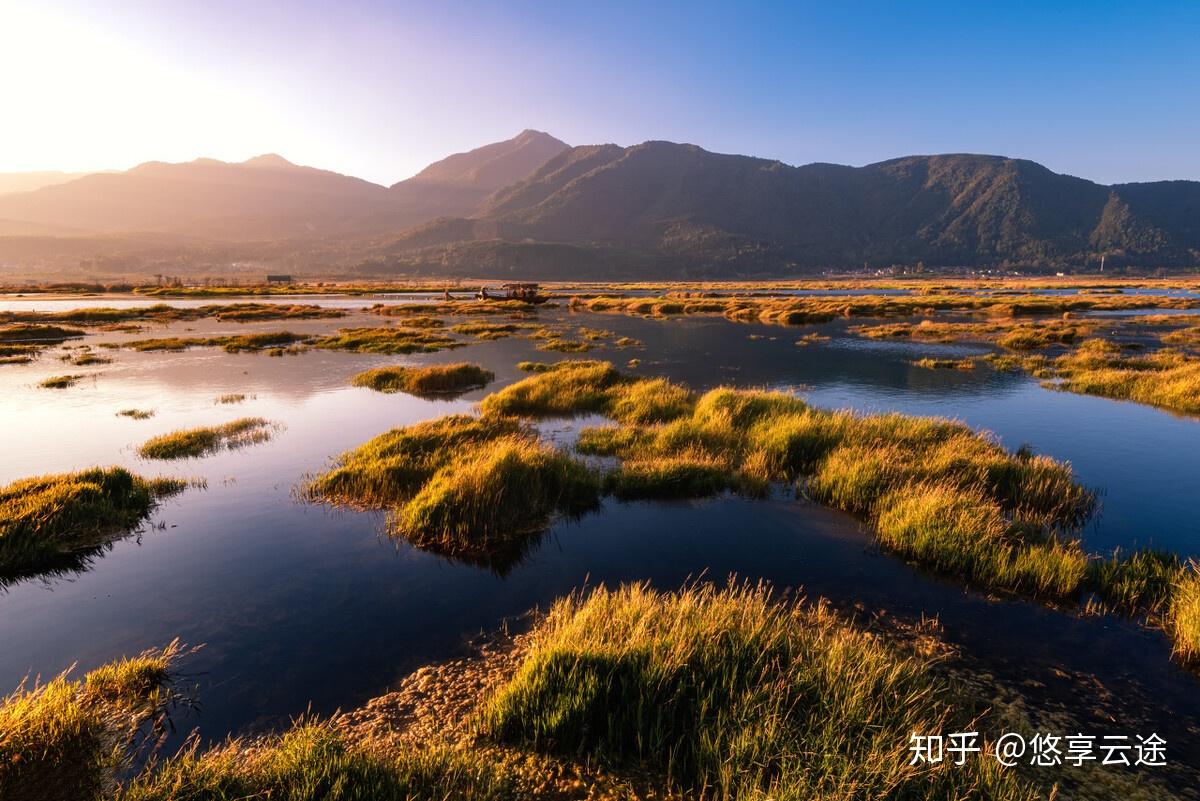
x=60, y=381
x=1142, y=580
x=477, y=489
x=482, y=330
x=136, y=414
x=945, y=364
x=388, y=340
x=196, y=442
x=429, y=381
x=731, y=694
x=565, y=388
x=38, y=334
x=1166, y=379
x=688, y=475
x=580, y=387
x=653, y=400
x=565, y=345
x=964, y=533
x=59, y=521
x=1183, y=615
x=889, y=469
x=71, y=739
x=233, y=344
x=490, y=498
x=390, y=468
x=312, y=761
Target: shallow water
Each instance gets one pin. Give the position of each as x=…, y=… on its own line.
x=299, y=605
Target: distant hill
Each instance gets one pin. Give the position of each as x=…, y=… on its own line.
x=13, y=182
x=268, y=197
x=686, y=209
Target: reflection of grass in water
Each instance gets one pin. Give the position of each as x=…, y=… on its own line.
x=195, y=442
x=59, y=522
x=732, y=693
x=431, y=380
x=60, y=381
x=71, y=739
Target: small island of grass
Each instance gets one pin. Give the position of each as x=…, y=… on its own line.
x=60, y=381
x=428, y=381
x=196, y=442
x=50, y=522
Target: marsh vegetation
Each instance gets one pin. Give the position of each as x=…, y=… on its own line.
x=202, y=441
x=388, y=340
x=60, y=521
x=75, y=738
x=704, y=692
x=445, y=380
x=628, y=691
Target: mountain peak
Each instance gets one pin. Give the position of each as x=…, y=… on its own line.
x=269, y=160
x=488, y=168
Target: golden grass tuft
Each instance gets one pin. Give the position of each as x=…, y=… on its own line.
x=57, y=521
x=70, y=739
x=427, y=381
x=733, y=694
x=205, y=440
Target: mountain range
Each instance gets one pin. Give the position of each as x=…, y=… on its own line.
x=536, y=207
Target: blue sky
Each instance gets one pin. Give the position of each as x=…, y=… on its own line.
x=1108, y=91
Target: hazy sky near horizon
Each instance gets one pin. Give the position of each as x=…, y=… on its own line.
x=1105, y=90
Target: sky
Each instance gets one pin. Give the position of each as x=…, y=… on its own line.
x=1109, y=91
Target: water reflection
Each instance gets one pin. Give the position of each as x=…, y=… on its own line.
x=299, y=604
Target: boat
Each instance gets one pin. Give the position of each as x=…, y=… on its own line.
x=522, y=291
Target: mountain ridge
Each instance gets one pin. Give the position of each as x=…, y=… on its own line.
x=685, y=205
x=534, y=205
